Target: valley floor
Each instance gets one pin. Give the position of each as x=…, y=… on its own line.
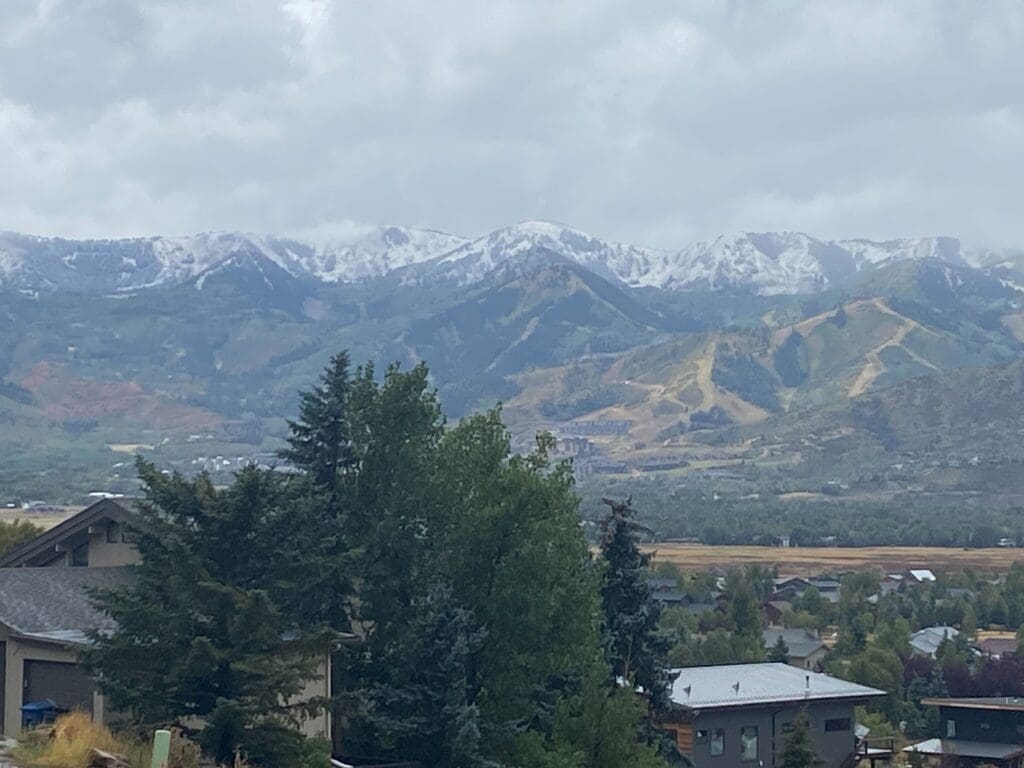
x=797, y=560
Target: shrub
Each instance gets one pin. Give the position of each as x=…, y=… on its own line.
x=68, y=742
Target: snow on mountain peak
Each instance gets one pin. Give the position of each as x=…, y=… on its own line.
x=765, y=263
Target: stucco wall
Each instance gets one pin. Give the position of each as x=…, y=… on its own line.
x=18, y=652
x=103, y=553
x=320, y=686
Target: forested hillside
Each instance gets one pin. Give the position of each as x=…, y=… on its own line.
x=901, y=361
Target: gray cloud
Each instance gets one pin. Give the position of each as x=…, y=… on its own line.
x=655, y=122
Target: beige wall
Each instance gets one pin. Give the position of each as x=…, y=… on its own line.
x=103, y=553
x=810, y=662
x=320, y=686
x=18, y=652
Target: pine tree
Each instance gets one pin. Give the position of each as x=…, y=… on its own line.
x=320, y=441
x=636, y=649
x=780, y=651
x=208, y=628
x=797, y=748
x=423, y=706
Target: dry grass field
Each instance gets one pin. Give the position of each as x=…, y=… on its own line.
x=43, y=519
x=811, y=560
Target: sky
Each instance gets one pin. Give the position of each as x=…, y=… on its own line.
x=651, y=122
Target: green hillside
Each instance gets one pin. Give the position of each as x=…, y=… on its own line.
x=691, y=382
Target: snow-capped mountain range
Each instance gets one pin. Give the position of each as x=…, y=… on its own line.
x=764, y=263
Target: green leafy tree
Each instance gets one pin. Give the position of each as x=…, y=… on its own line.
x=744, y=606
x=630, y=616
x=512, y=636
x=797, y=747
x=207, y=627
x=14, y=533
x=882, y=669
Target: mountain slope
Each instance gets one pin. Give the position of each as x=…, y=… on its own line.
x=760, y=263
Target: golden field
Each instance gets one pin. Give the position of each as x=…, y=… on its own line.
x=811, y=560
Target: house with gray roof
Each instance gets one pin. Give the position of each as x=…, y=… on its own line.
x=738, y=715
x=974, y=732
x=927, y=641
x=806, y=650
x=47, y=617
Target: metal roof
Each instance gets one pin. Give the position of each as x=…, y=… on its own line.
x=1009, y=703
x=744, y=685
x=929, y=639
x=961, y=748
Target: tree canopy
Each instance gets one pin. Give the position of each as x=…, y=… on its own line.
x=460, y=566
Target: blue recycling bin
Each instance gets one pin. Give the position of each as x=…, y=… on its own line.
x=36, y=713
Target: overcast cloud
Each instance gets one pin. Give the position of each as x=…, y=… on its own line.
x=643, y=121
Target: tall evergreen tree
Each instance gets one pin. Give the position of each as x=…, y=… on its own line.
x=320, y=440
x=797, y=748
x=210, y=627
x=636, y=649
x=779, y=652
x=423, y=707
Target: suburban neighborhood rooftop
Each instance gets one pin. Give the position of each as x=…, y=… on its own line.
x=1008, y=703
x=52, y=604
x=979, y=750
x=737, y=685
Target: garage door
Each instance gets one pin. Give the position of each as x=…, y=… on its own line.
x=67, y=685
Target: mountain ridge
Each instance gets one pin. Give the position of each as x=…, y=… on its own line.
x=771, y=263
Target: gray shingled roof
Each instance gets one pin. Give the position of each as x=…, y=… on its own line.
x=53, y=603
x=738, y=685
x=800, y=642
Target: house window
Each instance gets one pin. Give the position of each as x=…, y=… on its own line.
x=951, y=729
x=837, y=724
x=80, y=555
x=788, y=728
x=748, y=743
x=113, y=533
x=717, y=742
x=701, y=737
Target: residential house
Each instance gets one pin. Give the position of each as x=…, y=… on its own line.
x=46, y=617
x=788, y=588
x=982, y=731
x=918, y=576
x=794, y=586
x=806, y=650
x=997, y=647
x=774, y=610
x=891, y=582
x=828, y=587
x=95, y=537
x=738, y=715
x=667, y=592
x=927, y=641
